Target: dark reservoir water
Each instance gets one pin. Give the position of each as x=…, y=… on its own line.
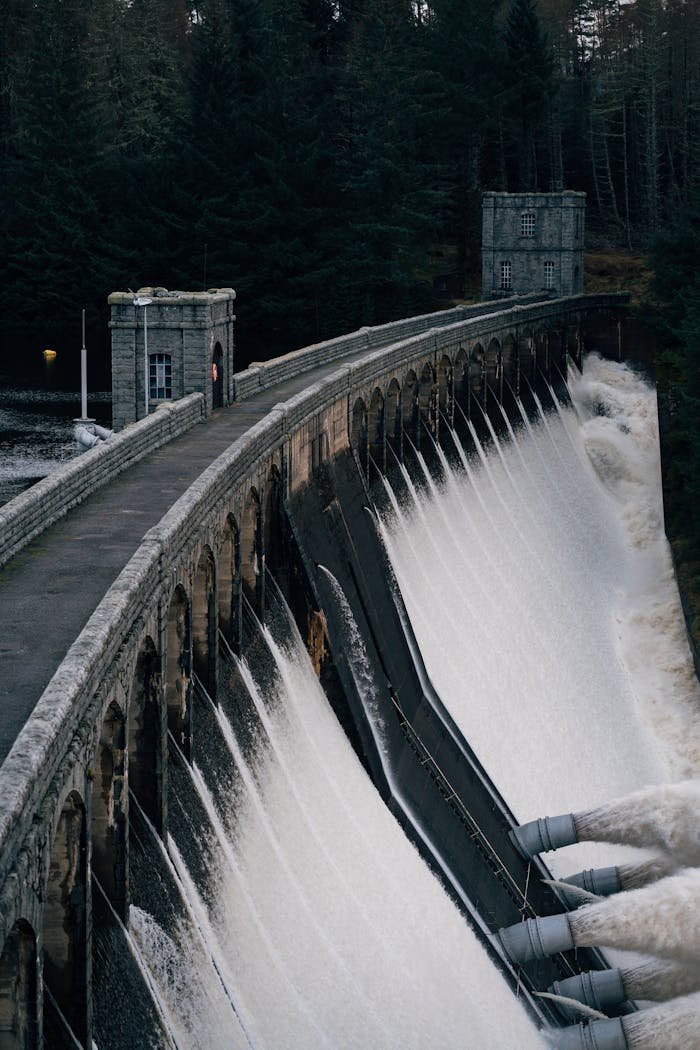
x=38, y=401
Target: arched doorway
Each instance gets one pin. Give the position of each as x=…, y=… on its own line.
x=217, y=377
x=144, y=735
x=375, y=433
x=18, y=989
x=228, y=585
x=410, y=408
x=109, y=825
x=178, y=647
x=359, y=433
x=392, y=420
x=204, y=622
x=65, y=930
x=445, y=392
x=251, y=559
x=426, y=401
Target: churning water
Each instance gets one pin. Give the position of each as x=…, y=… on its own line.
x=540, y=587
x=315, y=920
x=293, y=910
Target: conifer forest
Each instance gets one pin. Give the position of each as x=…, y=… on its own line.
x=327, y=158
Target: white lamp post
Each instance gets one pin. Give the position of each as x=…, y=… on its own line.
x=144, y=301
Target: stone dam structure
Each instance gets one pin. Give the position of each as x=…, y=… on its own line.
x=292, y=451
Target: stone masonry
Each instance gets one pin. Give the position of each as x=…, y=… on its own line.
x=190, y=349
x=532, y=242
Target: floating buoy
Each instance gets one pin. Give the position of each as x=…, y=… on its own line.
x=49, y=355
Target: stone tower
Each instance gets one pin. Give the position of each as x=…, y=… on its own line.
x=169, y=344
x=532, y=242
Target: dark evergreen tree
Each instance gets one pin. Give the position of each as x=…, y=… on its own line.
x=389, y=202
x=529, y=85
x=465, y=58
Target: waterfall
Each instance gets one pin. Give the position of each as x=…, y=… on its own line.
x=299, y=906
x=287, y=908
x=555, y=637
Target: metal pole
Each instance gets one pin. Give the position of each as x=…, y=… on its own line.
x=83, y=375
x=145, y=357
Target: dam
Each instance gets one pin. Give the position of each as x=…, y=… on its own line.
x=189, y=844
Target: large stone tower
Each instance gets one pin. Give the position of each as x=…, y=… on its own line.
x=532, y=242
x=168, y=344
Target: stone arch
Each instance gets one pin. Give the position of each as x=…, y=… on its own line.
x=376, y=432
x=493, y=368
x=359, y=433
x=65, y=927
x=445, y=391
x=527, y=356
x=18, y=989
x=557, y=354
x=145, y=735
x=460, y=379
x=392, y=419
x=541, y=362
x=477, y=373
x=410, y=409
x=178, y=668
x=574, y=342
x=273, y=526
x=217, y=377
x=109, y=809
x=251, y=558
x=509, y=361
x=426, y=399
x=204, y=648
x=228, y=577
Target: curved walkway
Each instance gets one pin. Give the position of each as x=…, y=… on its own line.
x=49, y=590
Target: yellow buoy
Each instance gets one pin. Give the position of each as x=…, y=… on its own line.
x=49, y=355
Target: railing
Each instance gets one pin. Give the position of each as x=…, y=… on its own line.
x=29, y=514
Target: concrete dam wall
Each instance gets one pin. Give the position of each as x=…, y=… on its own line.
x=281, y=516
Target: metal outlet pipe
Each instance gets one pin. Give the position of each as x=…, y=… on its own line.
x=597, y=1035
x=543, y=834
x=601, y=881
x=536, y=938
x=597, y=988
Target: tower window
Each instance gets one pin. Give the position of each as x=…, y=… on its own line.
x=160, y=370
x=549, y=275
x=527, y=224
x=506, y=274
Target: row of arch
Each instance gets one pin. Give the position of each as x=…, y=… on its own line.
x=90, y=831
x=475, y=378
x=51, y=947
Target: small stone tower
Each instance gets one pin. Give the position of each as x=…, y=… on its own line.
x=532, y=242
x=169, y=344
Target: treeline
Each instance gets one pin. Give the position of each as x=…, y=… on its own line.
x=326, y=157
x=675, y=313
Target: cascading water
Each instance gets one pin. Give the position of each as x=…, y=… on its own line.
x=291, y=910
x=540, y=587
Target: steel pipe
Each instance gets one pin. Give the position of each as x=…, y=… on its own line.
x=536, y=938
x=543, y=834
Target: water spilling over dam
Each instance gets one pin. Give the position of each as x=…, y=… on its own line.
x=204, y=861
x=297, y=913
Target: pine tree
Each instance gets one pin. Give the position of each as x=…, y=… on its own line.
x=529, y=85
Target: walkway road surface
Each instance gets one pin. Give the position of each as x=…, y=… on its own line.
x=49, y=590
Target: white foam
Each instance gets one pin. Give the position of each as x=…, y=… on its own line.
x=663, y=918
x=573, y=684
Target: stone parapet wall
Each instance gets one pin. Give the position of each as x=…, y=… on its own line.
x=59, y=739
x=263, y=374
x=29, y=514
